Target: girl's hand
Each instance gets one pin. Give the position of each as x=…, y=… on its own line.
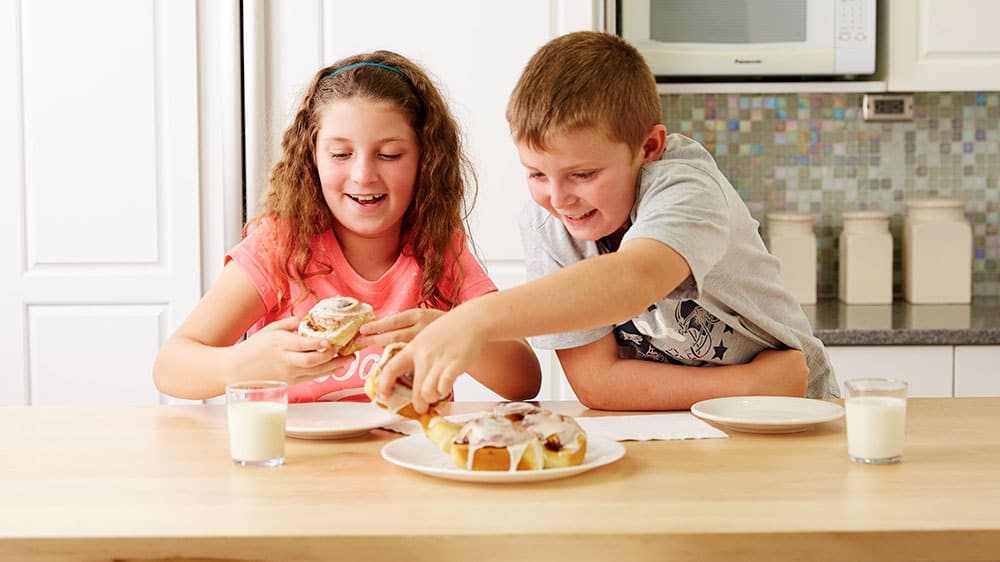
x=277, y=351
x=400, y=327
x=436, y=356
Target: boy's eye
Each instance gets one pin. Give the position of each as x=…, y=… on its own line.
x=535, y=175
x=587, y=174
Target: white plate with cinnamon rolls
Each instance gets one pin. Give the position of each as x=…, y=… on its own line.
x=513, y=442
x=419, y=453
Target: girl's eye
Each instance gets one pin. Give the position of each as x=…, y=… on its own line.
x=389, y=156
x=340, y=155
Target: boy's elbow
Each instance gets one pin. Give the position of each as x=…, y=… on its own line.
x=528, y=389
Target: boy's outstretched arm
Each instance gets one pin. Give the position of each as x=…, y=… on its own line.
x=603, y=381
x=598, y=291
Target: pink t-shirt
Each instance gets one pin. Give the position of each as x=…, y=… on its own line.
x=397, y=290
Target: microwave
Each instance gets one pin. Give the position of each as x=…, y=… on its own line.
x=749, y=39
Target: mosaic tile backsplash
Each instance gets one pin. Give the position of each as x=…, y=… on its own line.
x=814, y=153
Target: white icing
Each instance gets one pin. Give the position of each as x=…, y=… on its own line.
x=545, y=424
x=401, y=395
x=329, y=314
x=515, y=408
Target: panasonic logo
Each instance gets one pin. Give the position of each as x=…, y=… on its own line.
x=748, y=61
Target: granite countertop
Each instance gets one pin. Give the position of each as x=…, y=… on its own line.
x=902, y=323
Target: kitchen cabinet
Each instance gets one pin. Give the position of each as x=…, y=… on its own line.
x=941, y=45
x=977, y=370
x=927, y=369
x=925, y=45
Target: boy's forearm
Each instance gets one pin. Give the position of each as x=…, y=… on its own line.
x=598, y=291
x=509, y=368
x=632, y=384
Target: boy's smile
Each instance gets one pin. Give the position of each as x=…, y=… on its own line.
x=583, y=179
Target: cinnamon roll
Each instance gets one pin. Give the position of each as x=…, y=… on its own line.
x=400, y=402
x=519, y=436
x=337, y=320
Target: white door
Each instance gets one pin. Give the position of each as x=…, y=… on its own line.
x=99, y=167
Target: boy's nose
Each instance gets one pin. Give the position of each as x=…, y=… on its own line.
x=559, y=195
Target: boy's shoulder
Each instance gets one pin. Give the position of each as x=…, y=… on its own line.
x=685, y=150
x=684, y=160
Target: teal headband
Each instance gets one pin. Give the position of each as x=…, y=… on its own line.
x=378, y=64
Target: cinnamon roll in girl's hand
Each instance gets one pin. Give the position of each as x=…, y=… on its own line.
x=337, y=320
x=513, y=436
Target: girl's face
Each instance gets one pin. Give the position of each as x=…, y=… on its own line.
x=367, y=157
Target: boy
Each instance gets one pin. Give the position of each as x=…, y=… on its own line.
x=646, y=262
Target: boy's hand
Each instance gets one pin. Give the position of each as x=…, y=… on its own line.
x=277, y=351
x=436, y=356
x=401, y=327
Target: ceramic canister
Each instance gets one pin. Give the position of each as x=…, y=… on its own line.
x=791, y=239
x=937, y=252
x=865, y=272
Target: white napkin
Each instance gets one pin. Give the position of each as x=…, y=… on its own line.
x=646, y=427
x=678, y=425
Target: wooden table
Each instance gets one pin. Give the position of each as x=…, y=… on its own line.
x=155, y=483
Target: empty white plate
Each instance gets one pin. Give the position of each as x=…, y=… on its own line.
x=335, y=420
x=767, y=414
x=420, y=454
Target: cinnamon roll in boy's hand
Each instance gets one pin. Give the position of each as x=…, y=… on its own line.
x=437, y=429
x=337, y=320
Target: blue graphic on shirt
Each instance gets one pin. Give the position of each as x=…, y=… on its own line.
x=684, y=337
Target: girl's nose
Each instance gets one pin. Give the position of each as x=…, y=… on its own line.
x=363, y=172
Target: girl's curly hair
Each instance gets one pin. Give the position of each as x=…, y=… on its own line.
x=439, y=208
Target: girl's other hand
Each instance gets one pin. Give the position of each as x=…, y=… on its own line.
x=400, y=327
x=277, y=351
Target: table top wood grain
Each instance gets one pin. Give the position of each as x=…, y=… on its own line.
x=156, y=483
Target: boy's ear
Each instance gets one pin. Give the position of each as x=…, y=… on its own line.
x=654, y=143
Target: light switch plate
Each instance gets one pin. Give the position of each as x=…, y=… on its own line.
x=887, y=107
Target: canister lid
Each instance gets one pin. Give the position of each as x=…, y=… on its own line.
x=788, y=216
x=934, y=203
x=865, y=215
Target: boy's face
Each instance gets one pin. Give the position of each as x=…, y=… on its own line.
x=585, y=180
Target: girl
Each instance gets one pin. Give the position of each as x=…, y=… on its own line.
x=367, y=201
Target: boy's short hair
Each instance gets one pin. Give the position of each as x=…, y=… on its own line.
x=584, y=79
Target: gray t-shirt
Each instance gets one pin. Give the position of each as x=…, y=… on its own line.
x=733, y=304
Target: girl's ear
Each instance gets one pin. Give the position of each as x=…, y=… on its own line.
x=654, y=143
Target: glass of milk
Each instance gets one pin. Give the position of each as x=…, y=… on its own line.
x=876, y=420
x=256, y=411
